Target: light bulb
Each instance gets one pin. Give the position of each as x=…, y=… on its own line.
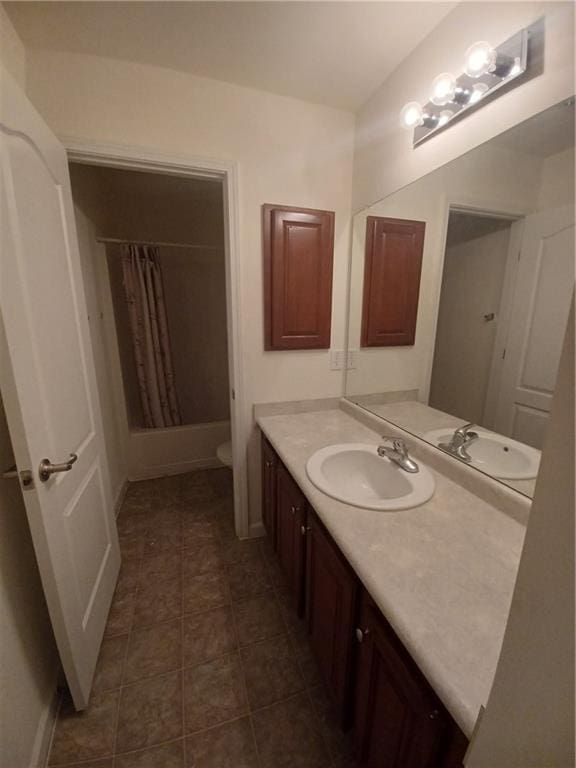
x=478, y=91
x=443, y=89
x=444, y=116
x=411, y=115
x=480, y=59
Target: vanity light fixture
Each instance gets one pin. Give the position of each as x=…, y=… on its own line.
x=486, y=69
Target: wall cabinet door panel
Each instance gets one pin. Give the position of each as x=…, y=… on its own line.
x=399, y=722
x=331, y=596
x=290, y=543
x=269, y=466
x=392, y=266
x=298, y=245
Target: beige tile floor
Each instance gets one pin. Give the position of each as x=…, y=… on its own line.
x=203, y=664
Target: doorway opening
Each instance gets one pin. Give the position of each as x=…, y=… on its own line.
x=160, y=275
x=478, y=255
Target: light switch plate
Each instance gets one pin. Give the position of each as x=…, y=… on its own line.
x=337, y=359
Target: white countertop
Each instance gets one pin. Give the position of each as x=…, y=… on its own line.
x=442, y=573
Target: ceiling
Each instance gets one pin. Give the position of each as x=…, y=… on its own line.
x=333, y=53
x=463, y=227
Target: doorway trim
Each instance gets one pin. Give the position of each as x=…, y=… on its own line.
x=138, y=158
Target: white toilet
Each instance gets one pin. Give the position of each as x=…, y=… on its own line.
x=224, y=453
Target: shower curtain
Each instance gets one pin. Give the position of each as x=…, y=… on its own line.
x=148, y=322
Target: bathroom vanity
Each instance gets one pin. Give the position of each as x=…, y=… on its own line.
x=405, y=609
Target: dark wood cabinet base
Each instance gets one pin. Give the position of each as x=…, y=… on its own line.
x=375, y=685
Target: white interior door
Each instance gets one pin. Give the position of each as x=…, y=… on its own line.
x=538, y=317
x=49, y=387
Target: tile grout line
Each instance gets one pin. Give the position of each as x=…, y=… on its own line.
x=245, y=687
x=183, y=704
x=243, y=676
x=306, y=686
x=222, y=540
x=128, y=642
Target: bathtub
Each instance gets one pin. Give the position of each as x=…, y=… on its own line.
x=170, y=451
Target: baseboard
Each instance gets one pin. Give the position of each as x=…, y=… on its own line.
x=163, y=470
x=45, y=731
x=256, y=531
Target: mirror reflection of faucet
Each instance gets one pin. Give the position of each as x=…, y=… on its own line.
x=461, y=439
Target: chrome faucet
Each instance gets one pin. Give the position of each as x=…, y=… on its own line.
x=461, y=439
x=398, y=453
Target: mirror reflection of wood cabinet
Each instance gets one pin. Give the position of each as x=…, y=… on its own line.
x=298, y=245
x=392, y=266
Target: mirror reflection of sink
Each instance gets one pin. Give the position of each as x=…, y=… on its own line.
x=495, y=454
x=355, y=474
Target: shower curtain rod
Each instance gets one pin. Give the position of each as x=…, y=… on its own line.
x=159, y=244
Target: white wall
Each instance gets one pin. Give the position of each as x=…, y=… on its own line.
x=195, y=293
x=12, y=51
x=287, y=151
x=384, y=159
x=529, y=719
x=557, y=181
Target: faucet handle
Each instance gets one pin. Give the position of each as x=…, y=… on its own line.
x=398, y=443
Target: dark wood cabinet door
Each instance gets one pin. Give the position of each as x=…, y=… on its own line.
x=399, y=722
x=392, y=266
x=269, y=467
x=298, y=245
x=290, y=540
x=331, y=600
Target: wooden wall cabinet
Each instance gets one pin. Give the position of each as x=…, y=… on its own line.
x=298, y=247
x=392, y=266
x=269, y=465
x=290, y=534
x=331, y=601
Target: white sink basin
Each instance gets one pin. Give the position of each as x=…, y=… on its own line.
x=495, y=454
x=355, y=474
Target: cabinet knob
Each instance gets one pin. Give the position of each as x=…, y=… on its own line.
x=361, y=634
x=304, y=529
x=268, y=464
x=293, y=510
x=434, y=714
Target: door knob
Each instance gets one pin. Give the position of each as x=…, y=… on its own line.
x=47, y=469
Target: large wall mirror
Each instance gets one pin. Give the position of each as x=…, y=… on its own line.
x=460, y=290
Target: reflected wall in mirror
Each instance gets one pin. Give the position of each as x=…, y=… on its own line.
x=497, y=279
